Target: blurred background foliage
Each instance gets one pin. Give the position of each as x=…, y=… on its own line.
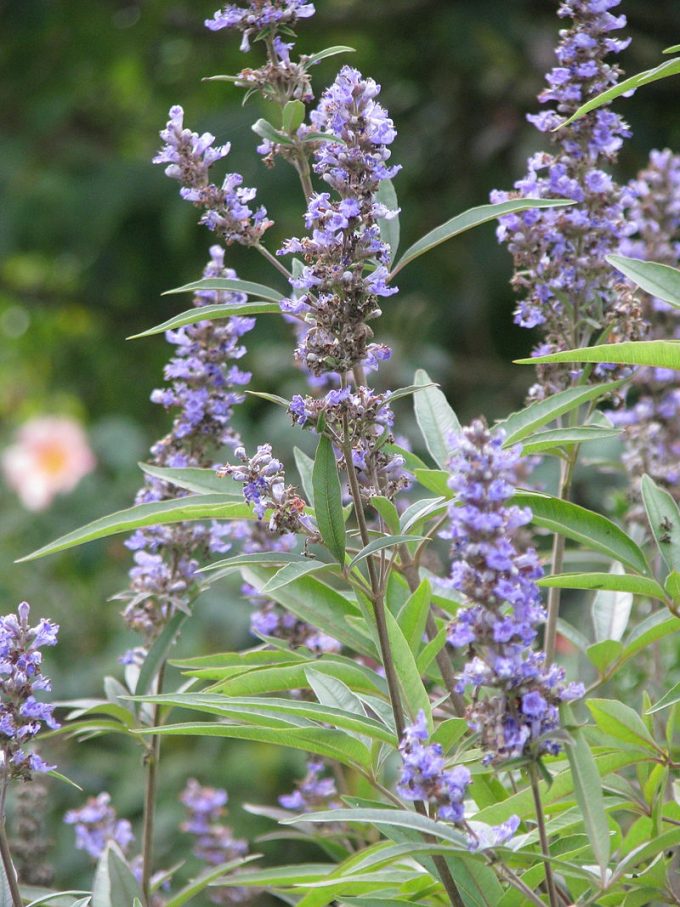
x=91, y=234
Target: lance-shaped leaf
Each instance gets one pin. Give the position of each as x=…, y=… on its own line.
x=180, y=510
x=229, y=285
x=265, y=130
x=620, y=721
x=193, y=478
x=158, y=652
x=389, y=226
x=588, y=790
x=654, y=353
x=617, y=582
x=521, y=424
x=380, y=544
x=328, y=499
x=201, y=882
x=290, y=572
x=437, y=421
x=665, y=69
x=654, y=278
x=114, y=883
x=557, y=438
x=584, y=526
x=473, y=218
x=611, y=610
x=671, y=698
x=210, y=313
x=311, y=59
x=664, y=519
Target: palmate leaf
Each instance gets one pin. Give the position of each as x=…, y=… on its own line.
x=229, y=285
x=659, y=280
x=472, y=218
x=179, y=510
x=210, y=313
x=654, y=353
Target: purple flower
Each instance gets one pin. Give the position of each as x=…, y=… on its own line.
x=95, y=824
x=226, y=209
x=203, y=387
x=313, y=792
x=563, y=281
x=258, y=16
x=499, y=623
x=21, y=714
x=335, y=292
x=214, y=841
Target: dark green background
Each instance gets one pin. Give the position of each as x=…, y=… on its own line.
x=91, y=234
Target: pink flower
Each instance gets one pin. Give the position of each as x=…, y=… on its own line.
x=50, y=456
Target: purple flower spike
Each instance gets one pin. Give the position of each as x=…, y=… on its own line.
x=503, y=611
x=96, y=823
x=21, y=714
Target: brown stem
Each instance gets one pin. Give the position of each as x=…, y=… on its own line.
x=273, y=260
x=543, y=836
x=557, y=560
x=151, y=760
x=10, y=874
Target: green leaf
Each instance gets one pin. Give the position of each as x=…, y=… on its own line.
x=672, y=585
x=401, y=818
x=664, y=520
x=669, y=699
x=114, y=883
x=387, y=511
x=520, y=425
x=328, y=742
x=200, y=481
x=472, y=218
x=436, y=420
x=584, y=526
x=328, y=499
x=293, y=571
x=158, y=652
x=653, y=628
x=421, y=510
x=436, y=480
x=565, y=437
x=620, y=721
x=229, y=285
x=654, y=278
x=305, y=468
x=412, y=616
x=617, y=582
x=415, y=694
x=588, y=790
x=201, y=882
x=389, y=226
x=270, y=398
x=293, y=116
x=228, y=564
x=665, y=69
x=181, y=510
x=655, y=353
x=210, y=313
x=334, y=693
x=312, y=59
x=265, y=130
x=602, y=654
x=611, y=610
x=319, y=604
x=387, y=541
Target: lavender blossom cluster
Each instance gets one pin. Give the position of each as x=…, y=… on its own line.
x=313, y=792
x=21, y=677
x=226, y=211
x=366, y=419
x=338, y=295
x=96, y=823
x=204, y=386
x=215, y=843
x=503, y=612
x=260, y=16
x=561, y=274
x=651, y=421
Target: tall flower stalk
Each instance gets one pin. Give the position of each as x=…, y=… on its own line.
x=566, y=288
